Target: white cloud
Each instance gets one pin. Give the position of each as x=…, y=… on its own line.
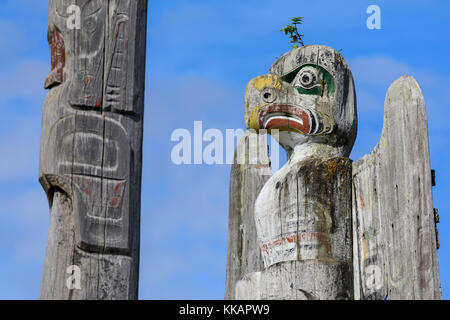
x=377, y=70
x=184, y=208
x=195, y=201
x=195, y=273
x=177, y=102
x=382, y=71
x=32, y=5
x=24, y=80
x=13, y=39
x=19, y=143
x=373, y=75
x=209, y=23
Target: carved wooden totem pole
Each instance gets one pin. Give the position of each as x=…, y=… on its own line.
x=323, y=227
x=91, y=148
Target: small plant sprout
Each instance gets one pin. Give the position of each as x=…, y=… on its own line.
x=292, y=31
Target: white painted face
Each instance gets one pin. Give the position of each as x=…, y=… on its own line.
x=308, y=96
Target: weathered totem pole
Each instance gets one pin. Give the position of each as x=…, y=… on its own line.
x=323, y=227
x=91, y=148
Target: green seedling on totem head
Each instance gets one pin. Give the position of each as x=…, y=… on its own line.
x=292, y=31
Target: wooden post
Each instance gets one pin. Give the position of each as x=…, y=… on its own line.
x=91, y=148
x=327, y=228
x=249, y=172
x=394, y=222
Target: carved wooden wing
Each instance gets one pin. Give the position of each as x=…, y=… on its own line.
x=395, y=253
x=249, y=172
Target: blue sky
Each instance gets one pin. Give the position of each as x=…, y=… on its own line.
x=201, y=54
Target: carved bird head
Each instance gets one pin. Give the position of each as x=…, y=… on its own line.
x=308, y=96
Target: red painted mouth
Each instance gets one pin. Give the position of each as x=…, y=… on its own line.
x=283, y=116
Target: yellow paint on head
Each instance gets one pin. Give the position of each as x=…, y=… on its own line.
x=252, y=119
x=259, y=83
x=264, y=81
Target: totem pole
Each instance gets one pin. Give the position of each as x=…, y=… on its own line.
x=91, y=148
x=323, y=227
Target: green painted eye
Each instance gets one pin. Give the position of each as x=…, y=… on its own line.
x=307, y=78
x=310, y=79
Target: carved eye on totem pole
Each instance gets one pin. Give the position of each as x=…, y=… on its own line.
x=308, y=96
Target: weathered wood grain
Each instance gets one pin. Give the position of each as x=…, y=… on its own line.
x=394, y=227
x=249, y=172
x=91, y=148
x=304, y=227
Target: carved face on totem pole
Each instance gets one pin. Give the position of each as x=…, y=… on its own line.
x=309, y=97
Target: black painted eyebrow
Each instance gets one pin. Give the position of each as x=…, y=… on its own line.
x=291, y=75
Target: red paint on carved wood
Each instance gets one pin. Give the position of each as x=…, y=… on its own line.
x=118, y=191
x=58, y=59
x=98, y=104
x=287, y=110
